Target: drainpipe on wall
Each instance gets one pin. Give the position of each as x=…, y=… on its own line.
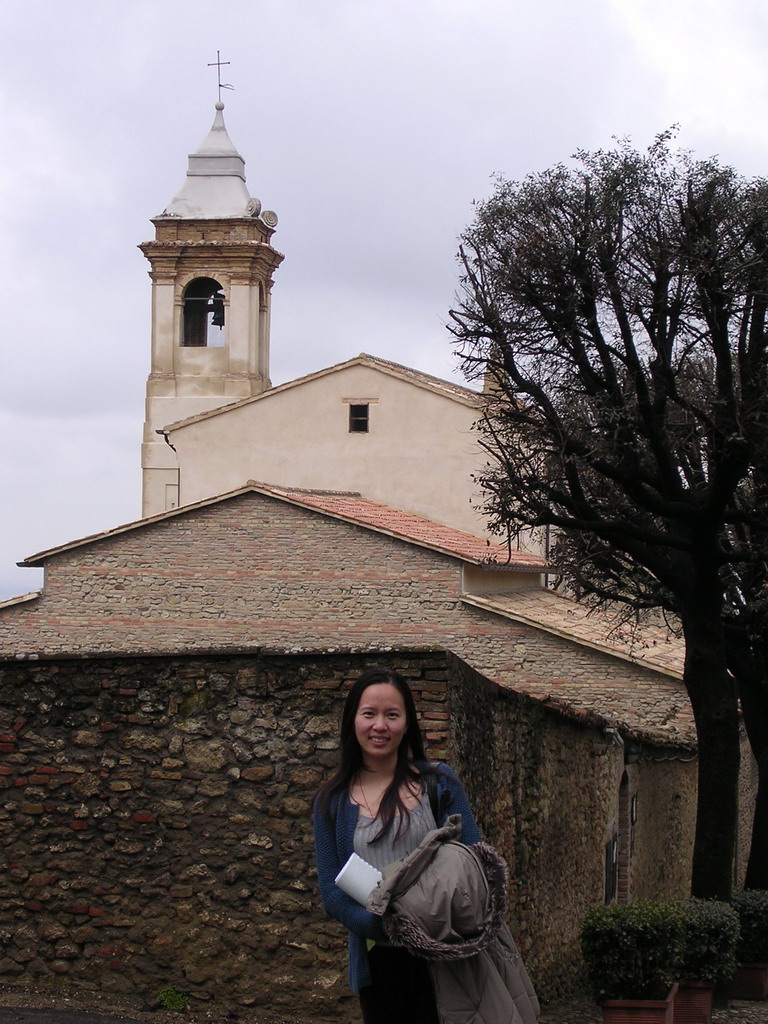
x=166, y=438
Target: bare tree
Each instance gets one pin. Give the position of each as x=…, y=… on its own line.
x=619, y=309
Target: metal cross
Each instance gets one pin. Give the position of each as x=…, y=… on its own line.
x=219, y=64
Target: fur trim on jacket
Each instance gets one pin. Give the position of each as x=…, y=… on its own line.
x=445, y=901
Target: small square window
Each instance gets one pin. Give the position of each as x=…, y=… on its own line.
x=358, y=419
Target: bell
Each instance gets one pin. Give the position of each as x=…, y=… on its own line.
x=217, y=320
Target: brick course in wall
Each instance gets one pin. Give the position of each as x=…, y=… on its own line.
x=258, y=572
x=247, y=570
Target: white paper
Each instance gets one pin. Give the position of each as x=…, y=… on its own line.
x=358, y=879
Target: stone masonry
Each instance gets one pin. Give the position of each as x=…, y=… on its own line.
x=254, y=572
x=169, y=705
x=155, y=819
x=156, y=823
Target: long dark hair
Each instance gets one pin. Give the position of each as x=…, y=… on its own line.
x=411, y=749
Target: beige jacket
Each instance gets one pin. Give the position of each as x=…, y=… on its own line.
x=446, y=902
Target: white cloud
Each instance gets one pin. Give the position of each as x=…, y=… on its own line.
x=708, y=57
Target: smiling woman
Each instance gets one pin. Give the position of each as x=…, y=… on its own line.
x=379, y=804
x=380, y=724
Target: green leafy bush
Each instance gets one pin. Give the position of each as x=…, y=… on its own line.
x=633, y=950
x=711, y=932
x=752, y=907
x=171, y=999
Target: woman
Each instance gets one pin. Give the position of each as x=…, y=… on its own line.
x=380, y=803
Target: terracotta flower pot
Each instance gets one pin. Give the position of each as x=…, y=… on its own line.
x=693, y=1003
x=640, y=1011
x=749, y=982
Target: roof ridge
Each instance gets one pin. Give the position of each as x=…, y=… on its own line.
x=445, y=538
x=413, y=371
x=448, y=387
x=464, y=546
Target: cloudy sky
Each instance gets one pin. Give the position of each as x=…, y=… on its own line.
x=369, y=126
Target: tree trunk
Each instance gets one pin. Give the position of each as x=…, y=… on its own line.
x=712, y=693
x=754, y=703
x=748, y=662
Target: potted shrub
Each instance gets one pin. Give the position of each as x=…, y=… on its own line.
x=710, y=934
x=750, y=980
x=632, y=952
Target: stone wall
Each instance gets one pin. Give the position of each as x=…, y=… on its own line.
x=552, y=805
x=254, y=572
x=248, y=570
x=154, y=819
x=154, y=823
x=661, y=839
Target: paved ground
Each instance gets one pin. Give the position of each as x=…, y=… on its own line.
x=43, y=1005
x=18, y=1006
x=21, y=1016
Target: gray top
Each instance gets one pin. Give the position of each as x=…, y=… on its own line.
x=214, y=187
x=393, y=847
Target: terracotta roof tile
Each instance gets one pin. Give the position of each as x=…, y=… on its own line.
x=394, y=521
x=655, y=707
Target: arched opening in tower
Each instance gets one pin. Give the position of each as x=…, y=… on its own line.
x=204, y=323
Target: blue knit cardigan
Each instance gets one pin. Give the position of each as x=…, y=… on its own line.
x=334, y=843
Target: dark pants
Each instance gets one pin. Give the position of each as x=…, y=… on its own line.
x=401, y=991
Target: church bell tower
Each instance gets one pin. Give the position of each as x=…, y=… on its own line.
x=211, y=268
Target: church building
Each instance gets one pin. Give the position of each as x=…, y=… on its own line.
x=213, y=418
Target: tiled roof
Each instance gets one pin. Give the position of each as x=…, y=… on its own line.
x=656, y=708
x=649, y=646
x=354, y=509
x=409, y=527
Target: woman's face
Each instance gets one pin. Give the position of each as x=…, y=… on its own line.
x=380, y=722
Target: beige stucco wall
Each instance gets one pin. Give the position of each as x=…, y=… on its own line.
x=187, y=381
x=418, y=454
